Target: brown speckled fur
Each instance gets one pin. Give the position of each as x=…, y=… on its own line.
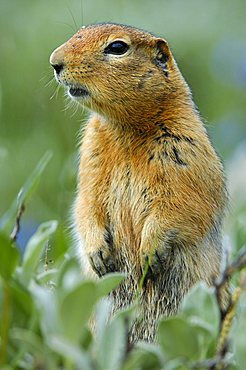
x=151, y=187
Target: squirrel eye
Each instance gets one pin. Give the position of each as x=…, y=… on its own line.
x=116, y=48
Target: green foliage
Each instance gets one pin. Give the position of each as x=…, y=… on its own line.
x=25, y=193
x=192, y=334
x=48, y=311
x=9, y=257
x=199, y=33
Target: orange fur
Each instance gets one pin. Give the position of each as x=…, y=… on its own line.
x=151, y=187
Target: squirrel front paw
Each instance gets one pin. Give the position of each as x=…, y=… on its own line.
x=102, y=261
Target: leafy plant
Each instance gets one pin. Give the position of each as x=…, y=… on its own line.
x=48, y=311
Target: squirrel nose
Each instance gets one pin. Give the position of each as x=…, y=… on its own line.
x=57, y=59
x=57, y=67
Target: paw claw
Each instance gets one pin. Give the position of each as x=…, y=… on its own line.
x=102, y=262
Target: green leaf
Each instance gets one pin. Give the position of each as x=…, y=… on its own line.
x=105, y=333
x=31, y=184
x=200, y=310
x=28, y=340
x=47, y=277
x=77, y=298
x=22, y=298
x=35, y=247
x=31, y=343
x=110, y=351
x=46, y=305
x=60, y=244
x=69, y=274
x=200, y=305
x=103, y=310
x=25, y=193
x=176, y=364
x=70, y=351
x=145, y=356
x=9, y=257
x=109, y=282
x=75, y=309
x=178, y=338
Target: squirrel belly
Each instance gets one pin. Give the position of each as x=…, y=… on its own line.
x=151, y=190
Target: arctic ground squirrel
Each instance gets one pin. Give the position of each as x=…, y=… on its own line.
x=151, y=190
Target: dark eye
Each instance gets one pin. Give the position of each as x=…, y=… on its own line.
x=116, y=48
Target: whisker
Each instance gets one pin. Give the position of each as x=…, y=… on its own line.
x=43, y=78
x=70, y=12
x=55, y=93
x=82, y=12
x=68, y=25
x=57, y=90
x=49, y=82
x=68, y=103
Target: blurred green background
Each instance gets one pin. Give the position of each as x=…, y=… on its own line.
x=209, y=44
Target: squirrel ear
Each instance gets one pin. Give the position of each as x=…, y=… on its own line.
x=163, y=55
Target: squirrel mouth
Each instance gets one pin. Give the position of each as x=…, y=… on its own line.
x=78, y=92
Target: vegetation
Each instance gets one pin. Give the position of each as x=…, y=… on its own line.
x=46, y=307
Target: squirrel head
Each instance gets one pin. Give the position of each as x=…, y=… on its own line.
x=118, y=71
